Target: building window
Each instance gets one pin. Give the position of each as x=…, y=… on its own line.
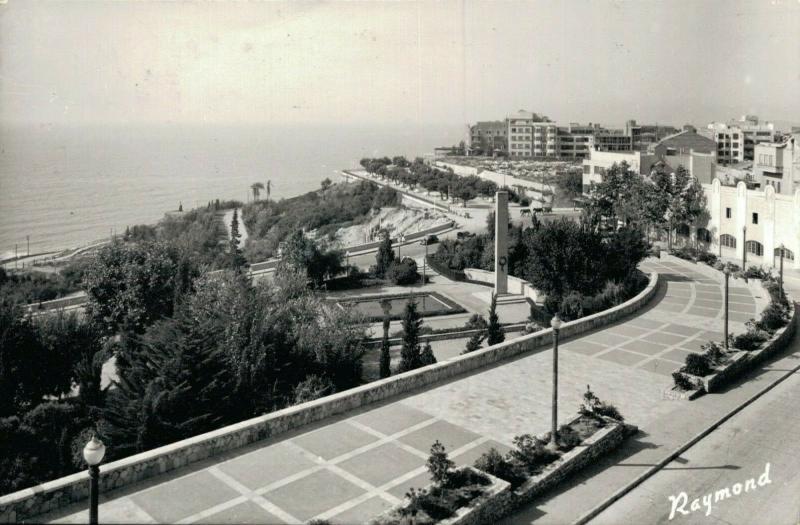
x=727, y=213
x=755, y=218
x=683, y=229
x=787, y=253
x=754, y=247
x=728, y=241
x=703, y=235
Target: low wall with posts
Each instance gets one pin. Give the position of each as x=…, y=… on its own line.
x=58, y=493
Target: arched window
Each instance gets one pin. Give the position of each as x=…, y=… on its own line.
x=787, y=253
x=727, y=240
x=754, y=247
x=683, y=229
x=703, y=235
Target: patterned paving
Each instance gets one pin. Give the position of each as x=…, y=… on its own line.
x=351, y=469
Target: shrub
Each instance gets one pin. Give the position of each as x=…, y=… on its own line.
x=681, y=381
x=313, y=387
x=497, y=465
x=714, y=352
x=707, y=258
x=571, y=306
x=593, y=407
x=439, y=465
x=476, y=322
x=684, y=252
x=531, y=453
x=750, y=340
x=773, y=317
x=568, y=438
x=403, y=272
x=755, y=272
x=697, y=365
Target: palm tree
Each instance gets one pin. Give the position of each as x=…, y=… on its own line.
x=257, y=187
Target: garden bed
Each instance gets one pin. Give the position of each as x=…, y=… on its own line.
x=473, y=499
x=438, y=305
x=760, y=345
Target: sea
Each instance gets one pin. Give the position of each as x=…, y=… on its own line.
x=69, y=186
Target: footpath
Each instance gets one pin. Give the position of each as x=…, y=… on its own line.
x=654, y=446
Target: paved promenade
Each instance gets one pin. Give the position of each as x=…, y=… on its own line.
x=351, y=468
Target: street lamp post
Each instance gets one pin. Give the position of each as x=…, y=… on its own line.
x=401, y=239
x=727, y=272
x=781, y=271
x=93, y=453
x=555, y=323
x=744, y=248
x=347, y=262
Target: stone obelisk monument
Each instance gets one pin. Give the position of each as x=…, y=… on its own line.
x=501, y=243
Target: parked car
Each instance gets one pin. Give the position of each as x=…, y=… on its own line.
x=430, y=239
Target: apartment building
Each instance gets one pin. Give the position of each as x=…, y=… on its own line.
x=686, y=148
x=736, y=140
x=532, y=135
x=777, y=164
x=488, y=137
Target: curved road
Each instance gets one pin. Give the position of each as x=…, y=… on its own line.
x=363, y=462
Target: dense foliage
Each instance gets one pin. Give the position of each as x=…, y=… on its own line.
x=444, y=182
x=664, y=200
x=49, y=394
x=37, y=286
x=270, y=222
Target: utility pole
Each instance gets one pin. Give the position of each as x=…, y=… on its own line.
x=28, y=238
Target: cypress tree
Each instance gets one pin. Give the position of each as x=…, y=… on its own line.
x=385, y=359
x=236, y=259
x=410, y=353
x=494, y=334
x=385, y=255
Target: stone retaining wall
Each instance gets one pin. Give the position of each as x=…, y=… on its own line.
x=746, y=360
x=63, y=491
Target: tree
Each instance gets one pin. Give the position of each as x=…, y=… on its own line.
x=410, y=351
x=23, y=382
x=131, y=285
x=465, y=193
x=269, y=188
x=256, y=187
x=236, y=260
x=303, y=253
x=182, y=387
x=439, y=464
x=474, y=342
x=426, y=357
x=494, y=333
x=385, y=255
x=403, y=272
x=326, y=183
x=385, y=357
x=562, y=257
x=572, y=182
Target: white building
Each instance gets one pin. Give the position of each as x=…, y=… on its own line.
x=777, y=164
x=758, y=221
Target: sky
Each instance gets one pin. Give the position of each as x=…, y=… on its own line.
x=396, y=63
